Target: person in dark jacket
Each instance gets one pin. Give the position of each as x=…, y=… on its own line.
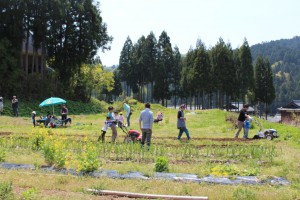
x=64, y=113
x=1, y=105
x=181, y=123
x=15, y=106
x=241, y=119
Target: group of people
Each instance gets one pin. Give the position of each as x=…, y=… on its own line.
x=112, y=120
x=46, y=120
x=14, y=105
x=146, y=121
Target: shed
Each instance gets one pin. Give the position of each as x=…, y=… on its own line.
x=290, y=111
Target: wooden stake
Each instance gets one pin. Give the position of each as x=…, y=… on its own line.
x=145, y=196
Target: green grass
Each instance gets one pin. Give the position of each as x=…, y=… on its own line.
x=212, y=146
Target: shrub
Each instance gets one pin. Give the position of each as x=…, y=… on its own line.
x=37, y=140
x=30, y=194
x=88, y=160
x=161, y=164
x=54, y=151
x=6, y=191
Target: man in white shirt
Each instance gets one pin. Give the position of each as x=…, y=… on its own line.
x=146, y=118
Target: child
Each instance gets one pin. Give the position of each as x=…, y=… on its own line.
x=121, y=118
x=116, y=116
x=33, y=114
x=104, y=129
x=159, y=117
x=247, y=126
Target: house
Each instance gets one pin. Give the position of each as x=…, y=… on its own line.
x=290, y=111
x=237, y=106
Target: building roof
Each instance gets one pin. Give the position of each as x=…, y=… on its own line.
x=293, y=105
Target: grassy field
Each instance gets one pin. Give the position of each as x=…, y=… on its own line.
x=212, y=150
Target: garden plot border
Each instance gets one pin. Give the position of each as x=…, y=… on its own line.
x=248, y=180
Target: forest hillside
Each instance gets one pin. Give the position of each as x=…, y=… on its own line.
x=284, y=56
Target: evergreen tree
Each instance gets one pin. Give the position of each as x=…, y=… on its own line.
x=151, y=63
x=187, y=86
x=201, y=70
x=126, y=64
x=223, y=70
x=264, y=86
x=176, y=74
x=165, y=65
x=246, y=76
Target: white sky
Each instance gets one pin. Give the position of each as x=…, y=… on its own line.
x=187, y=20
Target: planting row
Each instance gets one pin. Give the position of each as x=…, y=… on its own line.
x=85, y=155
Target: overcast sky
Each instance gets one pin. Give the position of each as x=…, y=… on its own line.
x=187, y=20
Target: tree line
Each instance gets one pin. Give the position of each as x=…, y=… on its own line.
x=205, y=77
x=67, y=32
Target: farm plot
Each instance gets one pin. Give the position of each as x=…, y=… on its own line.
x=212, y=151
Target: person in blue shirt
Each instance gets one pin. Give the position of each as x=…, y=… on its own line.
x=113, y=125
x=247, y=125
x=146, y=122
x=128, y=112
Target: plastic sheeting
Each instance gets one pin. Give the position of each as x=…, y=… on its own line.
x=249, y=180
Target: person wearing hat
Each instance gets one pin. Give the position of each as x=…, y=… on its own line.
x=1, y=105
x=33, y=114
x=121, y=118
x=181, y=123
x=14, y=105
x=113, y=125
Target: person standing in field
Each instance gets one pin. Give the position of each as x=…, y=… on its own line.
x=113, y=125
x=146, y=122
x=241, y=119
x=104, y=129
x=121, y=118
x=1, y=105
x=128, y=112
x=33, y=114
x=181, y=123
x=247, y=126
x=64, y=113
x=15, y=106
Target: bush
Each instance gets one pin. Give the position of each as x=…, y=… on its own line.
x=30, y=194
x=88, y=160
x=6, y=191
x=54, y=150
x=161, y=164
